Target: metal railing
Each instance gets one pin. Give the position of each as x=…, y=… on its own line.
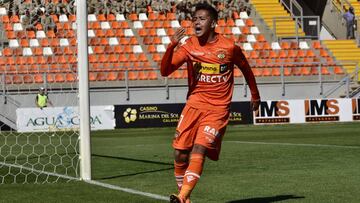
x=349, y=79
x=291, y=5
x=342, y=9
x=313, y=21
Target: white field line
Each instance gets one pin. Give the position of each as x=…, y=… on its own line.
x=39, y=171
x=128, y=190
x=92, y=182
x=294, y=144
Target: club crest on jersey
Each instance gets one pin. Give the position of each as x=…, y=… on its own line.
x=221, y=54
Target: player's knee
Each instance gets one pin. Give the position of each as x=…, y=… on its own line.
x=199, y=149
x=181, y=155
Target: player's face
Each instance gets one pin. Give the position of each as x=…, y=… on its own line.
x=202, y=23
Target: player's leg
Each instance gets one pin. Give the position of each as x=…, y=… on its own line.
x=181, y=163
x=207, y=143
x=194, y=171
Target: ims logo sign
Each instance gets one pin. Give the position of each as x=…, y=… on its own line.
x=321, y=110
x=356, y=109
x=273, y=112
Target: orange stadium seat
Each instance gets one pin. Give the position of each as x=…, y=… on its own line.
x=28, y=79
x=38, y=78
x=17, y=79
x=111, y=76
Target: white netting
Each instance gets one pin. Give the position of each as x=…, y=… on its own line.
x=37, y=145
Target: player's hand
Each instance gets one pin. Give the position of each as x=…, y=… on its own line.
x=255, y=104
x=179, y=34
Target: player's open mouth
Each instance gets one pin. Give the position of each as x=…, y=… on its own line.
x=198, y=30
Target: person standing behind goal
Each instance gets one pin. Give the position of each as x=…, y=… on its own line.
x=42, y=99
x=210, y=59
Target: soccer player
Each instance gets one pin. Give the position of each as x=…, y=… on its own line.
x=210, y=59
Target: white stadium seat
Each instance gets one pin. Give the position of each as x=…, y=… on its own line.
x=175, y=24
x=13, y=43
x=254, y=30
x=161, y=32
x=138, y=25
x=247, y=47
x=34, y=43
x=27, y=51
x=92, y=18
x=63, y=18
x=165, y=40
x=47, y=51
x=304, y=45
x=239, y=23
x=143, y=16
x=64, y=42
x=137, y=49
x=90, y=50
x=120, y=17
x=251, y=38
x=236, y=30
x=17, y=27
x=3, y=11
x=128, y=33
x=275, y=46
x=113, y=41
x=105, y=25
x=91, y=33
x=160, y=48
x=40, y=34
x=244, y=15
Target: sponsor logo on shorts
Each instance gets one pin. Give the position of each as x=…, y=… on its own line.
x=177, y=133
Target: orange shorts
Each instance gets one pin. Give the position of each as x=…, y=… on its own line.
x=202, y=127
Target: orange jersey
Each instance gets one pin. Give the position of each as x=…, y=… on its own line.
x=210, y=70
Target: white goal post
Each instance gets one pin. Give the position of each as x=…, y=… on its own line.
x=84, y=103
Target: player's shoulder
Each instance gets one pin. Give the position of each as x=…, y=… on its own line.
x=226, y=39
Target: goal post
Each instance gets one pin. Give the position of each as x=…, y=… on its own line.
x=84, y=103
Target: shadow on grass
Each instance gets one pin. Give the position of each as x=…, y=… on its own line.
x=131, y=159
x=135, y=160
x=277, y=198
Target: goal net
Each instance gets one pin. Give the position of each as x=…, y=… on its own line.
x=39, y=136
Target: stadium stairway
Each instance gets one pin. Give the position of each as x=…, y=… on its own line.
x=285, y=25
x=345, y=51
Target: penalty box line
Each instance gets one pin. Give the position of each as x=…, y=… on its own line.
x=294, y=144
x=127, y=190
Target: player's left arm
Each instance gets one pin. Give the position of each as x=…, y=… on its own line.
x=243, y=64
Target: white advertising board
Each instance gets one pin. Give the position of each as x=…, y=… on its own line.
x=307, y=111
x=62, y=118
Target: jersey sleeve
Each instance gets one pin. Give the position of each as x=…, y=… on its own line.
x=172, y=59
x=243, y=64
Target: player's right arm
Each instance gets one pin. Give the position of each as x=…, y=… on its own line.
x=171, y=60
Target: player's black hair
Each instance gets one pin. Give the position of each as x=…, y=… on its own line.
x=205, y=6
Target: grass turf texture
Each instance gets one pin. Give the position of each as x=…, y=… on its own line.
x=141, y=159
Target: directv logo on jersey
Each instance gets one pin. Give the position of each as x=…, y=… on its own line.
x=322, y=110
x=356, y=109
x=273, y=112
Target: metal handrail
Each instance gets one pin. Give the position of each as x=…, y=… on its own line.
x=297, y=5
x=297, y=26
x=345, y=81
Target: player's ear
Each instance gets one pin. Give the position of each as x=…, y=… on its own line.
x=213, y=24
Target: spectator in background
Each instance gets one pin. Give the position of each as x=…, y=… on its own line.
x=350, y=23
x=42, y=99
x=47, y=22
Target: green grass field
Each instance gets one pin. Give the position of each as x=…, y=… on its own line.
x=258, y=164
